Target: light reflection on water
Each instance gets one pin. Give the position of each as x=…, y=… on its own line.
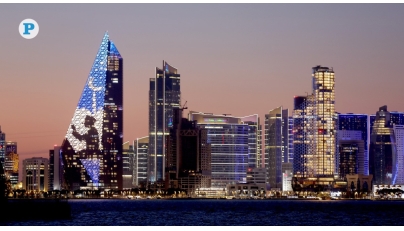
x=229, y=212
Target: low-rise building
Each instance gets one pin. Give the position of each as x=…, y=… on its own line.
x=35, y=174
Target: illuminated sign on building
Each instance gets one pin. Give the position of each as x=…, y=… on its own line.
x=216, y=120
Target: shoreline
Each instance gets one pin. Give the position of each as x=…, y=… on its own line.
x=64, y=200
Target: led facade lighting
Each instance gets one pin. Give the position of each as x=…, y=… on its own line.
x=92, y=150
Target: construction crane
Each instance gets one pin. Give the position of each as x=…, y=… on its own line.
x=184, y=106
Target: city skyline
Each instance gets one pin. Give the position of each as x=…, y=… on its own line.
x=220, y=71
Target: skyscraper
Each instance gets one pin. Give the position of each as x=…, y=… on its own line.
x=290, y=140
x=314, y=127
x=304, y=136
x=164, y=95
x=55, y=168
x=382, y=156
x=228, y=137
x=92, y=150
x=399, y=138
x=325, y=135
x=254, y=140
x=357, y=122
x=276, y=144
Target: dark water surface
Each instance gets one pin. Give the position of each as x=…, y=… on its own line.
x=229, y=212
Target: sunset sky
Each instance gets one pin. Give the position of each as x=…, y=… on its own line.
x=238, y=59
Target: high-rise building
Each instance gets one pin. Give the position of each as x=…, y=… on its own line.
x=2, y=148
x=382, y=156
x=304, y=139
x=325, y=134
x=128, y=156
x=55, y=168
x=188, y=155
x=315, y=128
x=92, y=150
x=399, y=138
x=164, y=95
x=357, y=122
x=290, y=140
x=254, y=140
x=141, y=156
x=35, y=174
x=276, y=144
x=228, y=137
x=51, y=169
x=11, y=167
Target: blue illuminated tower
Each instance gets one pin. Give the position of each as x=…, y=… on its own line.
x=92, y=149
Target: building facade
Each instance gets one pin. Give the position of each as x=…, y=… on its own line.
x=399, y=138
x=11, y=164
x=351, y=145
x=35, y=174
x=55, y=168
x=92, y=149
x=287, y=175
x=357, y=122
x=188, y=155
x=276, y=144
x=141, y=157
x=349, y=155
x=383, y=154
x=164, y=95
x=325, y=134
x=315, y=127
x=128, y=156
x=256, y=176
x=290, y=140
x=2, y=148
x=254, y=140
x=303, y=138
x=228, y=137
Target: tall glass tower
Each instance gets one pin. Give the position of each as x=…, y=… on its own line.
x=303, y=136
x=276, y=144
x=92, y=149
x=315, y=127
x=325, y=135
x=164, y=95
x=254, y=140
